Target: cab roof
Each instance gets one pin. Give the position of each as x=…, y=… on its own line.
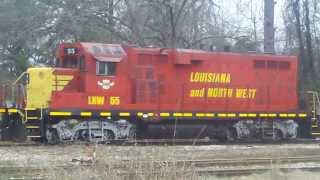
x=100, y=51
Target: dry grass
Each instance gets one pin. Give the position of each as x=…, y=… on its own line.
x=137, y=162
x=131, y=162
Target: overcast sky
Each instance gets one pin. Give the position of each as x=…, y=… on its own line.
x=242, y=10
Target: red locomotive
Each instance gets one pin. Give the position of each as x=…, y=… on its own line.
x=111, y=91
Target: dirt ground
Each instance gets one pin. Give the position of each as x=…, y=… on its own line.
x=138, y=162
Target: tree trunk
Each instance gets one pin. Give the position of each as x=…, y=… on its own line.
x=110, y=17
x=269, y=26
x=303, y=76
x=309, y=56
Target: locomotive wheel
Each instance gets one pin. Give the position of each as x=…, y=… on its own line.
x=132, y=133
x=83, y=135
x=277, y=135
x=231, y=134
x=108, y=135
x=54, y=137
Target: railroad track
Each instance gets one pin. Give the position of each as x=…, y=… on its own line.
x=227, y=162
x=223, y=172
x=168, y=142
x=202, y=167
x=212, y=142
x=230, y=167
x=248, y=171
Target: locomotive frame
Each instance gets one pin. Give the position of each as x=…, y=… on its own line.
x=85, y=97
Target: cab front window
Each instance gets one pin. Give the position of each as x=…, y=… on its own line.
x=70, y=59
x=69, y=63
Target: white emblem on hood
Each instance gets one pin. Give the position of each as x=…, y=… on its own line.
x=106, y=84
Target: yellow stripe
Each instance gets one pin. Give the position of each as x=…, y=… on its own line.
x=209, y=115
x=315, y=133
x=292, y=115
x=252, y=115
x=105, y=114
x=124, y=114
x=227, y=115
x=222, y=115
x=140, y=114
x=60, y=83
x=86, y=113
x=272, y=115
x=30, y=109
x=32, y=118
x=283, y=115
x=302, y=115
x=314, y=126
x=200, y=115
x=32, y=127
x=177, y=114
x=243, y=115
x=2, y=110
x=58, y=88
x=260, y=115
x=263, y=115
x=187, y=114
x=231, y=115
x=12, y=110
x=60, y=113
x=63, y=77
x=164, y=114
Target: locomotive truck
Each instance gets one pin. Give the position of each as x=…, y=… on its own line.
x=110, y=92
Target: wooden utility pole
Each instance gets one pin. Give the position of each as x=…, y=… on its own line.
x=269, y=26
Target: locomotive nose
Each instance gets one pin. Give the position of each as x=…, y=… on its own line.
x=39, y=87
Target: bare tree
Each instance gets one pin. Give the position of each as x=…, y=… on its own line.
x=269, y=26
x=309, y=57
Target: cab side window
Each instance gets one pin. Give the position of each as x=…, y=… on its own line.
x=106, y=68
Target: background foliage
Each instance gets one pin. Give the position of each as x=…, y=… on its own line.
x=31, y=29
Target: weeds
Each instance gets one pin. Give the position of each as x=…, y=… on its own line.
x=135, y=162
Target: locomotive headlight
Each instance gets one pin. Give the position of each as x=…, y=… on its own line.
x=145, y=115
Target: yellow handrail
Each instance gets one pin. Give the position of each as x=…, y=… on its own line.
x=18, y=79
x=15, y=83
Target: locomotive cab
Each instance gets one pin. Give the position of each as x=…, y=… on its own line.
x=85, y=78
x=43, y=82
x=95, y=81
x=81, y=69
